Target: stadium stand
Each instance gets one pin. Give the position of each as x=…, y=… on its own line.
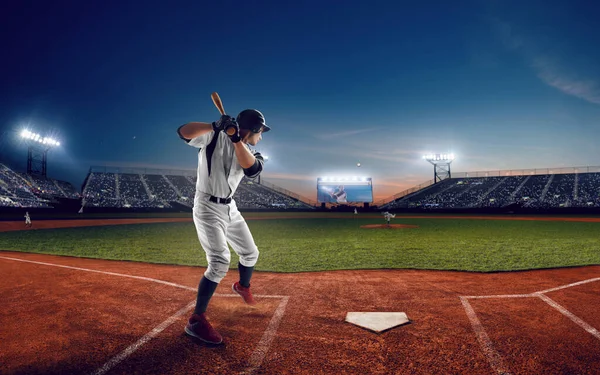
x=530, y=193
x=252, y=195
x=156, y=189
x=502, y=195
x=23, y=190
x=100, y=190
x=541, y=191
x=587, y=190
x=559, y=192
x=166, y=189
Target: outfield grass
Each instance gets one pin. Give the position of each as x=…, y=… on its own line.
x=294, y=245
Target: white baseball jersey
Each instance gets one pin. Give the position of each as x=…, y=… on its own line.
x=219, y=172
x=219, y=224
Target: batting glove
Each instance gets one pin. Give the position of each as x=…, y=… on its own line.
x=219, y=125
x=233, y=131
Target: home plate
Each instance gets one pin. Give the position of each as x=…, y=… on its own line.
x=377, y=321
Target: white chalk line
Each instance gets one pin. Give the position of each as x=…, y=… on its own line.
x=577, y=320
x=135, y=277
x=105, y=273
x=256, y=358
x=501, y=296
x=493, y=357
x=147, y=337
x=569, y=285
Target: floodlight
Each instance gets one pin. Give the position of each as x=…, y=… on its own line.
x=441, y=165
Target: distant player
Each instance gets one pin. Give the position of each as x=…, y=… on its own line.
x=27, y=219
x=355, y=212
x=388, y=217
x=339, y=195
x=223, y=160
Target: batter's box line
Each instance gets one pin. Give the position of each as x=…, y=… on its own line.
x=256, y=358
x=494, y=358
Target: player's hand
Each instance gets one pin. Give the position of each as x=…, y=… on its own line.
x=232, y=130
x=219, y=125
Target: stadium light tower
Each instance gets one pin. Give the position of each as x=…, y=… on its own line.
x=441, y=165
x=37, y=151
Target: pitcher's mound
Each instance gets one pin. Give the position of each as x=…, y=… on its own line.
x=385, y=226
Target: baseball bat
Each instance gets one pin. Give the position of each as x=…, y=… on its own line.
x=219, y=104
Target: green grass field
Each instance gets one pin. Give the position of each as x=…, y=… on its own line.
x=295, y=245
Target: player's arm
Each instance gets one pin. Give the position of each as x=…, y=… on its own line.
x=192, y=130
x=251, y=163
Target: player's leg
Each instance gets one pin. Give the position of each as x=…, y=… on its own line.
x=241, y=240
x=211, y=223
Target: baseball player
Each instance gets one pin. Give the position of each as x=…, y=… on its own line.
x=339, y=195
x=27, y=219
x=388, y=216
x=223, y=160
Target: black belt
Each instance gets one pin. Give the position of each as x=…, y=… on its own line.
x=220, y=200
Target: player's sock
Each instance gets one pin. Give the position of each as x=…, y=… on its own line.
x=245, y=274
x=205, y=291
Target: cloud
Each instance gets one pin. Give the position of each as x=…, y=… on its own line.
x=551, y=74
x=346, y=133
x=547, y=66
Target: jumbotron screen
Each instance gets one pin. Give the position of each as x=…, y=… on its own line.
x=344, y=190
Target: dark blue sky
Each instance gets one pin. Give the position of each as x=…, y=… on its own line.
x=502, y=84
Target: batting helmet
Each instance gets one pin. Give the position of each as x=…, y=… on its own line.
x=253, y=120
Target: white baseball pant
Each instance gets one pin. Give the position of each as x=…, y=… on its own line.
x=217, y=225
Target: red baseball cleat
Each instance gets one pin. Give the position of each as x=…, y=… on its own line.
x=201, y=329
x=244, y=292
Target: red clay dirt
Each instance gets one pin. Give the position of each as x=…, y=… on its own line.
x=388, y=226
x=79, y=316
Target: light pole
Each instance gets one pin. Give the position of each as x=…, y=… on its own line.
x=37, y=151
x=441, y=165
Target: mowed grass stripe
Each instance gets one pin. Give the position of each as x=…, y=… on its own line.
x=297, y=245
